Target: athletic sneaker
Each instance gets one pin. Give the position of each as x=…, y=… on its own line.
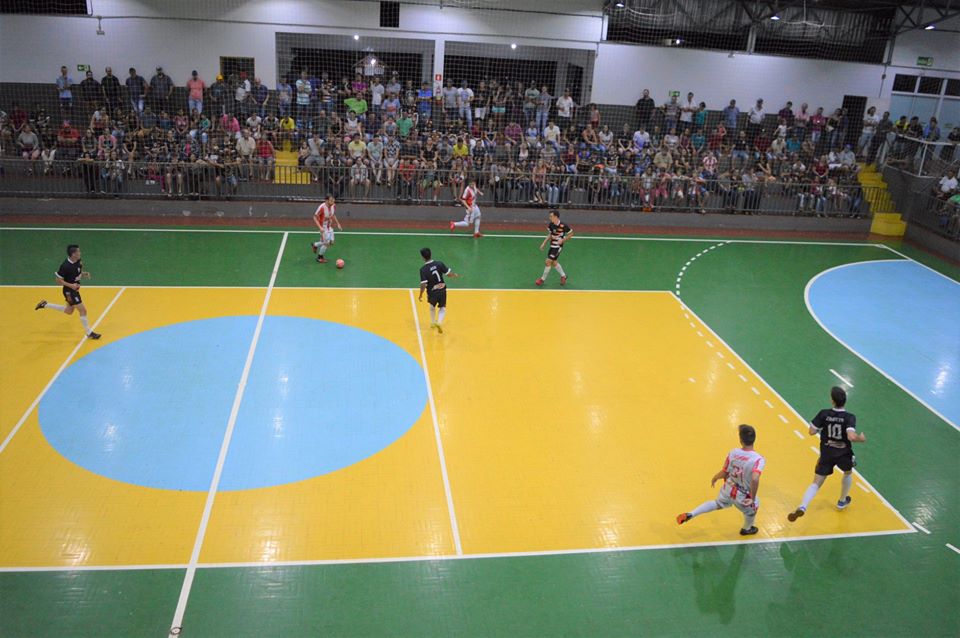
x=842, y=505
x=797, y=513
x=749, y=532
x=313, y=246
x=539, y=281
x=42, y=304
x=93, y=335
x=440, y=328
x=563, y=280
x=452, y=225
x=321, y=259
x=683, y=518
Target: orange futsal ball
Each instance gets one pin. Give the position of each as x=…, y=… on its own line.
x=340, y=263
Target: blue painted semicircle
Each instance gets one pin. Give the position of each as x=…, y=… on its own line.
x=152, y=409
x=901, y=317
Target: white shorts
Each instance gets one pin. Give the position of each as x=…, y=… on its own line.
x=738, y=500
x=472, y=215
x=326, y=235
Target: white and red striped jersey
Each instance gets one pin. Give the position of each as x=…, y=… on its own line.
x=324, y=214
x=469, y=196
x=740, y=466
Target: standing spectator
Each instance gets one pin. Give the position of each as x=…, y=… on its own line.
x=800, y=122
x=137, y=89
x=530, y=97
x=377, y=94
x=391, y=107
x=931, y=132
x=65, y=93
x=544, y=101
x=284, y=97
x=687, y=110
x=161, y=89
x=481, y=102
x=884, y=129
x=870, y=122
x=755, y=120
x=465, y=104
x=731, y=115
x=450, y=97
x=393, y=86
x=90, y=93
x=786, y=114
x=303, y=99
x=260, y=95
x=246, y=148
x=817, y=123
x=218, y=97
x=241, y=96
x=645, y=107
x=671, y=113
x=195, y=88
x=565, y=110
x=110, y=85
x=425, y=101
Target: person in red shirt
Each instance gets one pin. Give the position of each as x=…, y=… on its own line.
x=266, y=157
x=407, y=171
x=195, y=86
x=325, y=217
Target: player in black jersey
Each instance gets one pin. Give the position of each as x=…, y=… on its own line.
x=838, y=430
x=69, y=275
x=557, y=234
x=432, y=281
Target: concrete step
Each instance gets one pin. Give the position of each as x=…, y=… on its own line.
x=888, y=224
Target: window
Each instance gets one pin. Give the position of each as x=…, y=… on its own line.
x=930, y=86
x=45, y=7
x=390, y=15
x=905, y=83
x=953, y=88
x=232, y=67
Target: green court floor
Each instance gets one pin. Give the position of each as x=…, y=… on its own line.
x=751, y=292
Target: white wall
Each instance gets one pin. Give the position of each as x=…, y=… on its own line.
x=942, y=44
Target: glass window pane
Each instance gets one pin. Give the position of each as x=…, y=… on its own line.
x=930, y=86
x=953, y=87
x=949, y=116
x=907, y=83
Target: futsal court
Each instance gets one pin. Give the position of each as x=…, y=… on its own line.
x=256, y=432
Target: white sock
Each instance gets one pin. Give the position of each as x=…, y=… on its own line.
x=705, y=508
x=560, y=270
x=433, y=314
x=463, y=224
x=748, y=520
x=56, y=306
x=86, y=324
x=546, y=272
x=441, y=314
x=808, y=495
x=476, y=225
x=845, y=484
x=322, y=249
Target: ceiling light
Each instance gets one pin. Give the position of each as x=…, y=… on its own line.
x=774, y=17
x=513, y=45
x=619, y=5
x=356, y=37
x=930, y=27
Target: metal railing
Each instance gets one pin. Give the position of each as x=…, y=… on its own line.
x=917, y=156
x=935, y=214
x=407, y=184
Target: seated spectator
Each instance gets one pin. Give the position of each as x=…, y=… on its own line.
x=266, y=158
x=513, y=132
x=28, y=144
x=68, y=141
x=946, y=186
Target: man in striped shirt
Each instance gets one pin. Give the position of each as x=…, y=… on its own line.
x=741, y=480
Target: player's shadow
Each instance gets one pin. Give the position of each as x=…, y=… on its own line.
x=715, y=581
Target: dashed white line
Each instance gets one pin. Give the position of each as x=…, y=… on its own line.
x=953, y=548
x=699, y=334
x=710, y=343
x=799, y=436
x=842, y=378
x=921, y=527
x=720, y=354
x=693, y=325
x=863, y=487
x=742, y=378
x=783, y=418
x=767, y=403
x=755, y=391
x=730, y=365
x=814, y=450
x=692, y=380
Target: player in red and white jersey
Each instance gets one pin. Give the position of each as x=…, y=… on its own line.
x=325, y=217
x=469, y=201
x=741, y=480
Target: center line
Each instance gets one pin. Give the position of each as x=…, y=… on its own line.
x=436, y=432
x=176, y=625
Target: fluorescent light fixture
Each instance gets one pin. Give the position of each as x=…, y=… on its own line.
x=513, y=45
x=774, y=17
x=356, y=37
x=619, y=5
x=930, y=27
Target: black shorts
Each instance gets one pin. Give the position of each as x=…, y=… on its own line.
x=831, y=457
x=437, y=297
x=554, y=253
x=71, y=296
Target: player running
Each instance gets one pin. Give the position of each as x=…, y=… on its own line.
x=69, y=275
x=472, y=216
x=432, y=280
x=325, y=217
x=741, y=480
x=837, y=429
x=557, y=234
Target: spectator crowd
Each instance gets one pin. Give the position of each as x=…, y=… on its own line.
x=387, y=138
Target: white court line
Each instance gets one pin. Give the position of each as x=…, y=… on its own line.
x=783, y=418
x=440, y=233
x=687, y=308
x=953, y=548
x=56, y=375
x=175, y=625
x=730, y=365
x=909, y=258
x=814, y=450
x=806, y=299
x=456, y=557
x=799, y=436
x=742, y=378
x=455, y=528
x=921, y=527
x=863, y=487
x=539, y=291
x=755, y=391
x=710, y=343
x=691, y=380
x=838, y=375
x=767, y=403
